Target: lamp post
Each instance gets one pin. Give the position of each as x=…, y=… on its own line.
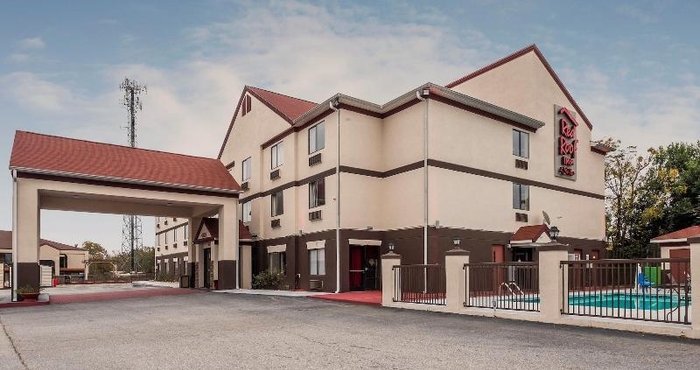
x=554, y=232
x=391, y=247
x=456, y=242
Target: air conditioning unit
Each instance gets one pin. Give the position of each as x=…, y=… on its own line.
x=316, y=285
x=274, y=175
x=244, y=186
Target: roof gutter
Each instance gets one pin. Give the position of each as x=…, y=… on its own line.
x=14, y=236
x=122, y=180
x=334, y=106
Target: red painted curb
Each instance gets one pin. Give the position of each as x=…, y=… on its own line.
x=24, y=304
x=104, y=296
x=369, y=299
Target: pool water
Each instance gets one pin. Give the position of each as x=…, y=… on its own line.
x=627, y=301
x=618, y=300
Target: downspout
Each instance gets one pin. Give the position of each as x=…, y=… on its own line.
x=337, y=198
x=419, y=95
x=14, y=236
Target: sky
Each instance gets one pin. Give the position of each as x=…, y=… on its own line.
x=631, y=65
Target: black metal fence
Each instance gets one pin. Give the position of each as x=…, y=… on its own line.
x=508, y=286
x=638, y=289
x=423, y=284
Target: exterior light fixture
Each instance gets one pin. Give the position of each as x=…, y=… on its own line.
x=554, y=232
x=391, y=247
x=456, y=242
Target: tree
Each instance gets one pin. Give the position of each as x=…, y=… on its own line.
x=144, y=260
x=624, y=178
x=96, y=253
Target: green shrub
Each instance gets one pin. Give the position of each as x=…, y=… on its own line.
x=269, y=280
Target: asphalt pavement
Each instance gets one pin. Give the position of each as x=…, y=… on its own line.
x=237, y=331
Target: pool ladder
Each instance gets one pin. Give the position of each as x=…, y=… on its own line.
x=512, y=288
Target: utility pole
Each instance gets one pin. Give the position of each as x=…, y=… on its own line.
x=132, y=232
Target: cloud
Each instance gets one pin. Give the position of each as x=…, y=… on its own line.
x=18, y=58
x=33, y=43
x=636, y=14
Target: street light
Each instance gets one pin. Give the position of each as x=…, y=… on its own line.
x=391, y=247
x=456, y=242
x=554, y=232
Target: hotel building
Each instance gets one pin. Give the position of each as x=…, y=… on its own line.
x=328, y=187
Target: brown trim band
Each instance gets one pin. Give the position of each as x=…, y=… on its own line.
x=596, y=150
x=161, y=231
x=291, y=130
x=122, y=185
x=380, y=174
x=288, y=185
x=500, y=176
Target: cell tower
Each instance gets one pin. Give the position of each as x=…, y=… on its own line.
x=132, y=231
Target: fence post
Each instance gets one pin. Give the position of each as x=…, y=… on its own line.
x=695, y=285
x=389, y=260
x=455, y=280
x=550, y=279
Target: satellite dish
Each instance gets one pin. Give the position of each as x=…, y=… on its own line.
x=546, y=218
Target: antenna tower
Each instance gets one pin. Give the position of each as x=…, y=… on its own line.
x=132, y=231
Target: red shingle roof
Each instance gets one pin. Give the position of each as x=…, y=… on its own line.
x=688, y=232
x=67, y=157
x=290, y=108
x=6, y=242
x=530, y=233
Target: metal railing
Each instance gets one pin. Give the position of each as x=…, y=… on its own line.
x=424, y=284
x=507, y=286
x=637, y=289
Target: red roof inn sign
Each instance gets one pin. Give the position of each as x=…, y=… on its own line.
x=566, y=143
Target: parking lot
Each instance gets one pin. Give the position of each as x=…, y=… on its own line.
x=210, y=330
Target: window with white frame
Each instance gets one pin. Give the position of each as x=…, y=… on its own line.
x=185, y=231
x=165, y=235
x=175, y=235
x=277, y=204
x=317, y=193
x=247, y=169
x=317, y=138
x=521, y=144
x=276, y=156
x=317, y=262
x=521, y=197
x=246, y=216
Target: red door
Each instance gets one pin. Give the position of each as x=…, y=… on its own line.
x=356, y=268
x=680, y=270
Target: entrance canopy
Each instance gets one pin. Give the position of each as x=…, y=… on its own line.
x=531, y=236
x=58, y=173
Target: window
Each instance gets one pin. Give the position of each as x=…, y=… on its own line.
x=521, y=196
x=247, y=169
x=317, y=262
x=521, y=144
x=277, y=204
x=317, y=193
x=317, y=138
x=63, y=261
x=278, y=262
x=6, y=258
x=165, y=235
x=246, y=216
x=175, y=235
x=276, y=156
x=246, y=105
x=185, y=232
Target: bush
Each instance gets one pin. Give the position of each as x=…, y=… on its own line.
x=164, y=276
x=269, y=280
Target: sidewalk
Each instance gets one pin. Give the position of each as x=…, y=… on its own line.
x=280, y=293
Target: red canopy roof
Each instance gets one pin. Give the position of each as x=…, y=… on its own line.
x=530, y=233
x=65, y=157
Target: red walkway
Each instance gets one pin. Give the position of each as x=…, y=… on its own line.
x=103, y=296
x=372, y=297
